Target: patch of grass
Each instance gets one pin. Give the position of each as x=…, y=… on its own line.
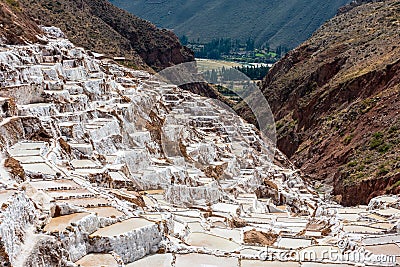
x=348, y=139
x=376, y=140
x=12, y=3
x=279, y=125
x=352, y=163
x=393, y=129
x=396, y=184
x=361, y=168
x=384, y=148
x=382, y=170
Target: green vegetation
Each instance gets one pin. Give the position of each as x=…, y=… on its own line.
x=352, y=163
x=253, y=72
x=382, y=170
x=378, y=143
x=347, y=139
x=376, y=140
x=393, y=129
x=234, y=50
x=12, y=3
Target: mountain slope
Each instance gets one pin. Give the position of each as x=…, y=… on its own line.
x=16, y=26
x=275, y=22
x=100, y=26
x=335, y=99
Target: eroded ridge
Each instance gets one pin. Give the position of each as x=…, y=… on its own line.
x=104, y=166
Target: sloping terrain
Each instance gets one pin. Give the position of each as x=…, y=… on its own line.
x=104, y=28
x=286, y=23
x=335, y=99
x=16, y=27
x=102, y=165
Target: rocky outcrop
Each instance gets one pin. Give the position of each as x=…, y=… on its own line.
x=334, y=100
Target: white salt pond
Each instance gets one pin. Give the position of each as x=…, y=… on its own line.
x=287, y=242
x=87, y=202
x=202, y=260
x=122, y=227
x=157, y=260
x=106, y=212
x=4, y=195
x=253, y=263
x=211, y=242
x=42, y=168
x=361, y=229
x=318, y=264
x=387, y=249
x=69, y=193
x=58, y=224
x=29, y=159
x=62, y=183
x=97, y=260
x=84, y=163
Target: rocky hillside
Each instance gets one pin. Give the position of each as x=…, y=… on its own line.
x=274, y=22
x=16, y=27
x=335, y=100
x=104, y=28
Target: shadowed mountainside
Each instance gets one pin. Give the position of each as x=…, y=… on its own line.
x=286, y=23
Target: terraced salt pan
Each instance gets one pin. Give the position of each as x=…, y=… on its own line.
x=157, y=260
x=388, y=212
x=27, y=146
x=317, y=252
x=211, y=242
x=118, y=176
x=388, y=249
x=70, y=193
x=24, y=153
x=233, y=235
x=152, y=217
x=84, y=163
x=186, y=219
x=59, y=224
x=293, y=243
x=87, y=202
x=379, y=239
x=384, y=226
x=315, y=264
x=5, y=194
x=375, y=217
x=361, y=229
x=195, y=227
x=387, y=199
x=30, y=159
x=89, y=171
x=122, y=227
x=348, y=216
x=106, y=211
x=202, y=260
x=352, y=210
x=61, y=184
x=253, y=263
x=97, y=260
x=42, y=168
